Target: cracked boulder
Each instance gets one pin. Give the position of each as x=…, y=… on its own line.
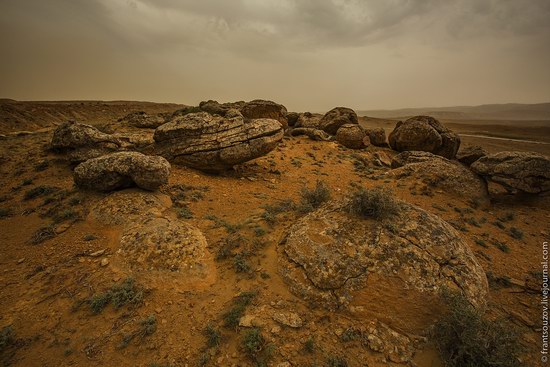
x=82, y=142
x=426, y=134
x=336, y=118
x=216, y=143
x=516, y=172
x=121, y=170
x=334, y=259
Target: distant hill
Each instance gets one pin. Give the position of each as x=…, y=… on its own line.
x=509, y=111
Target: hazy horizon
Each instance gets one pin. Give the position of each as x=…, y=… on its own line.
x=305, y=54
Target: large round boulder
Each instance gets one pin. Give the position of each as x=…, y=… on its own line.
x=260, y=109
x=308, y=120
x=351, y=136
x=122, y=169
x=333, y=258
x=426, y=134
x=337, y=117
x=526, y=172
x=215, y=143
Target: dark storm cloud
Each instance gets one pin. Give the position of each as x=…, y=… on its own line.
x=329, y=51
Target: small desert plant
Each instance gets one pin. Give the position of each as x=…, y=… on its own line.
x=350, y=334
x=375, y=203
x=309, y=345
x=465, y=338
x=124, y=293
x=7, y=337
x=213, y=336
x=241, y=264
x=256, y=347
x=334, y=361
x=516, y=233
x=498, y=282
x=64, y=215
x=41, y=166
x=5, y=213
x=42, y=234
x=271, y=211
x=312, y=199
x=39, y=191
x=231, y=318
x=185, y=213
x=146, y=327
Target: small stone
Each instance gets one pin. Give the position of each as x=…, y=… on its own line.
x=62, y=228
x=104, y=262
x=246, y=321
x=20, y=260
x=275, y=330
x=97, y=253
x=289, y=319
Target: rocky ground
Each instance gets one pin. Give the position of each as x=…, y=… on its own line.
x=229, y=269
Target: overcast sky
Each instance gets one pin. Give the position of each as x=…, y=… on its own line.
x=305, y=54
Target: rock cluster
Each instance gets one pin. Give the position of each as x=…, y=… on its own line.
x=426, y=134
x=336, y=118
x=213, y=142
x=526, y=172
x=120, y=170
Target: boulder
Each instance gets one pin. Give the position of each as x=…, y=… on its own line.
x=260, y=109
x=215, y=143
x=516, y=172
x=215, y=108
x=313, y=134
x=426, y=134
x=377, y=136
x=72, y=135
x=165, y=245
x=120, y=170
x=334, y=259
x=470, y=154
x=351, y=136
x=308, y=120
x=292, y=118
x=440, y=173
x=142, y=119
x=335, y=118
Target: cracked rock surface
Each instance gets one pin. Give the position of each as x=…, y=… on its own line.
x=215, y=143
x=329, y=255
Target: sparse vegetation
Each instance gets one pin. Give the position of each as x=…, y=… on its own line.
x=309, y=345
x=5, y=213
x=213, y=336
x=7, y=337
x=516, y=233
x=231, y=318
x=124, y=293
x=256, y=347
x=39, y=191
x=335, y=361
x=466, y=338
x=185, y=213
x=271, y=211
x=373, y=203
x=42, y=234
x=146, y=327
x=312, y=199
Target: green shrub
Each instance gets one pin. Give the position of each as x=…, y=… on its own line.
x=5, y=213
x=465, y=338
x=231, y=318
x=516, y=233
x=119, y=295
x=334, y=361
x=312, y=199
x=185, y=213
x=39, y=191
x=256, y=347
x=213, y=336
x=309, y=345
x=376, y=203
x=42, y=234
x=7, y=337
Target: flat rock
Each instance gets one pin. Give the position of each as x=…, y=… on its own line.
x=526, y=172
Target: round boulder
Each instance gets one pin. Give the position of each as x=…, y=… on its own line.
x=308, y=120
x=337, y=117
x=426, y=134
x=526, y=172
x=377, y=136
x=351, y=136
x=334, y=259
x=120, y=170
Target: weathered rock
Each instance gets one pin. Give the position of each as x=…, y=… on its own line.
x=332, y=258
x=414, y=156
x=122, y=169
x=260, y=109
x=129, y=206
x=377, y=136
x=351, y=136
x=313, y=134
x=292, y=118
x=397, y=347
x=142, y=119
x=290, y=319
x=308, y=120
x=426, y=134
x=470, y=154
x=214, y=143
x=440, y=173
x=215, y=108
x=527, y=172
x=165, y=245
x=337, y=117
x=83, y=142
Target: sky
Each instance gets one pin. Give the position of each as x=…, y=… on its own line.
x=306, y=54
